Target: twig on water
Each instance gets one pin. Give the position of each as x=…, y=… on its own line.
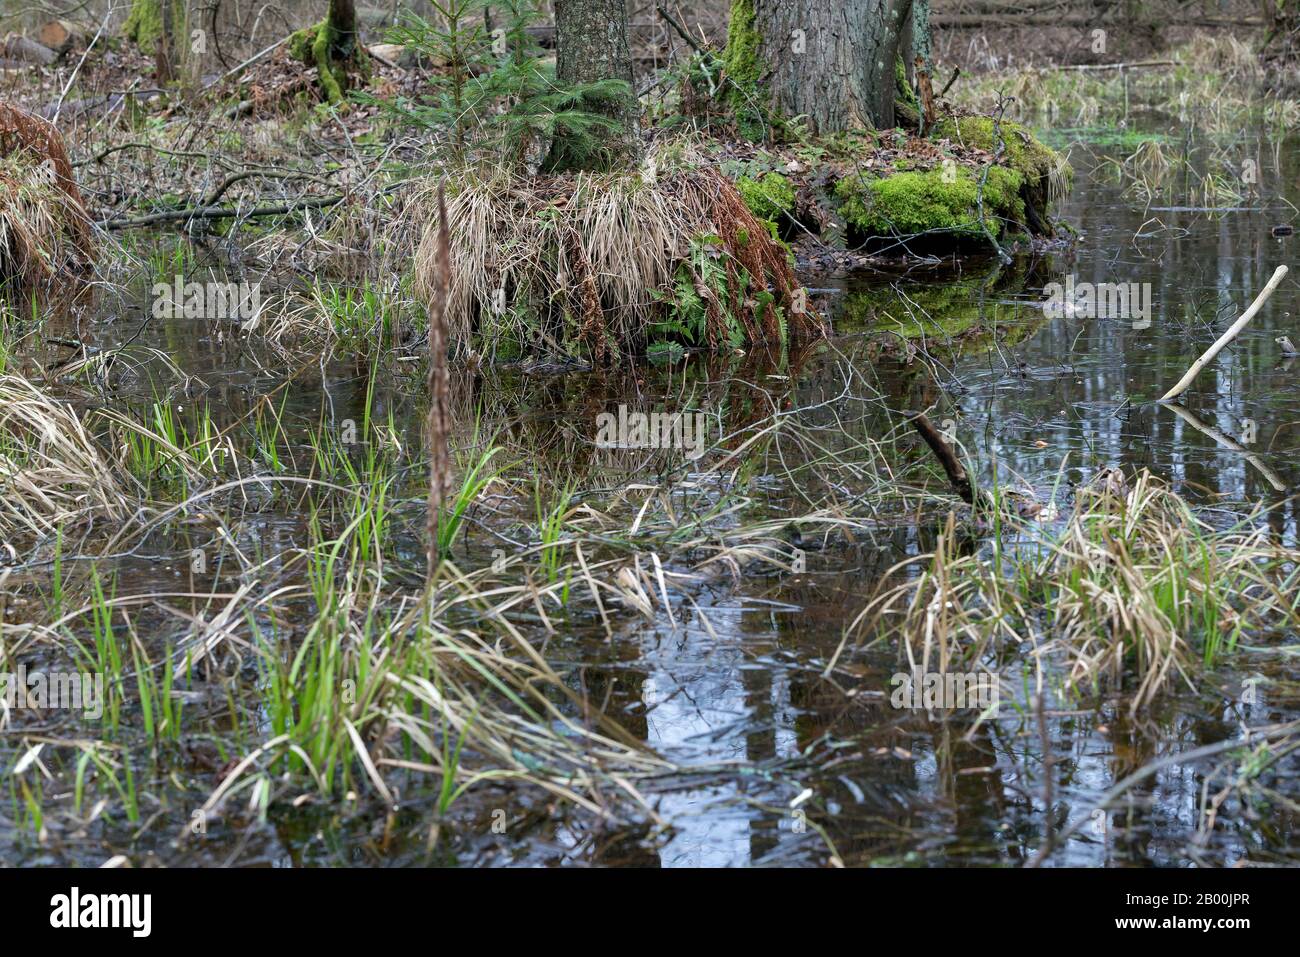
x=957, y=475
x=1233, y=331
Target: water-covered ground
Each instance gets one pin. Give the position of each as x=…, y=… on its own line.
x=782, y=763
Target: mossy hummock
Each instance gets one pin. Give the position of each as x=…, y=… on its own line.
x=1045, y=174
x=963, y=196
x=769, y=197
x=941, y=200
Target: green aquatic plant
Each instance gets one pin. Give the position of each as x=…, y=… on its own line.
x=476, y=473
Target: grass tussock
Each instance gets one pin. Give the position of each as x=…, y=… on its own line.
x=43, y=222
x=1130, y=592
x=598, y=259
x=52, y=474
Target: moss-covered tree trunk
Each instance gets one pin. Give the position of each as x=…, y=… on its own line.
x=144, y=23
x=165, y=47
x=153, y=26
x=836, y=64
x=333, y=47
x=591, y=46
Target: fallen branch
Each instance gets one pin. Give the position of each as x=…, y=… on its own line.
x=956, y=72
x=218, y=212
x=1093, y=67
x=956, y=472
x=246, y=64
x=1233, y=331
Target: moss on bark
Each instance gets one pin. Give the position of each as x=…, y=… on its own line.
x=144, y=23
x=319, y=46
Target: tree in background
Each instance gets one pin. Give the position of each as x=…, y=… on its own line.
x=838, y=65
x=592, y=48
x=498, y=95
x=152, y=25
x=334, y=48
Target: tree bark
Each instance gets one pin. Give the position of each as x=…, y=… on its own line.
x=591, y=45
x=164, y=56
x=833, y=63
x=343, y=18
x=922, y=35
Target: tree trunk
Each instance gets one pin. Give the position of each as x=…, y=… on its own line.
x=591, y=46
x=343, y=18
x=164, y=60
x=922, y=37
x=836, y=64
x=333, y=48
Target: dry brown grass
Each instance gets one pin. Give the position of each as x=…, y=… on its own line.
x=44, y=227
x=1130, y=594
x=52, y=474
x=602, y=251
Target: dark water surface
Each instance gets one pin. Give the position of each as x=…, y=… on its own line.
x=733, y=684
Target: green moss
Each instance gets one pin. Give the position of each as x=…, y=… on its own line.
x=904, y=92
x=144, y=23
x=743, y=39
x=744, y=70
x=768, y=196
x=314, y=46
x=332, y=77
x=1043, y=168
x=935, y=200
x=300, y=43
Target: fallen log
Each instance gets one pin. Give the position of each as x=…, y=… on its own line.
x=61, y=35
x=18, y=47
x=218, y=212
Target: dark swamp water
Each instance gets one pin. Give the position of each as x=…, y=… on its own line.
x=783, y=766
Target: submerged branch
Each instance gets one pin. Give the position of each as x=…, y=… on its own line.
x=956, y=472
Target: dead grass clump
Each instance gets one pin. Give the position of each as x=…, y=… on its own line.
x=1222, y=54
x=43, y=222
x=601, y=258
x=52, y=475
x=1135, y=589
